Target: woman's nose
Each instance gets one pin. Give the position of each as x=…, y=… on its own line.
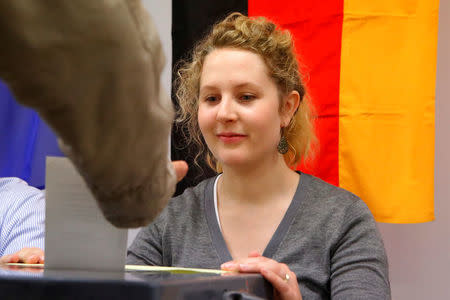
x=226, y=110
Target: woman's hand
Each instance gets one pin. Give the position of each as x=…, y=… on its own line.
x=25, y=255
x=279, y=275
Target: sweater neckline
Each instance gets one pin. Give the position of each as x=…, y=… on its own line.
x=279, y=234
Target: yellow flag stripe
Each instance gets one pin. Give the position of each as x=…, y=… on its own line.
x=386, y=106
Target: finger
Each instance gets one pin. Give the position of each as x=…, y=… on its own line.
x=228, y=273
x=14, y=258
x=230, y=266
x=10, y=258
x=23, y=255
x=32, y=259
x=30, y=254
x=278, y=283
x=235, y=265
x=254, y=254
x=250, y=268
x=181, y=168
x=5, y=259
x=283, y=270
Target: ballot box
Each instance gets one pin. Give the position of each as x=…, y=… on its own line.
x=31, y=283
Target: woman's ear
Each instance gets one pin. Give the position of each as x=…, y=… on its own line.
x=290, y=106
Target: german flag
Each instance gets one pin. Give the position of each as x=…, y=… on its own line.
x=370, y=69
x=369, y=66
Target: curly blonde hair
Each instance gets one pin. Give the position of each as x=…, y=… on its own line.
x=275, y=46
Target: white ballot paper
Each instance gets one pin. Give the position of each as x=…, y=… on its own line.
x=77, y=236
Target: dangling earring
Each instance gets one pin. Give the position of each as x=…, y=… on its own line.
x=283, y=146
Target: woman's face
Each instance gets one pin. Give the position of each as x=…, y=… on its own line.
x=238, y=111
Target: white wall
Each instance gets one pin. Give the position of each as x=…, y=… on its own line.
x=419, y=254
x=161, y=12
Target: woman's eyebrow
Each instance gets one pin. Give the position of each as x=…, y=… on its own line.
x=249, y=85
x=207, y=87
x=246, y=84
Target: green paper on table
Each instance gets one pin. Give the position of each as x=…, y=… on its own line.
x=141, y=268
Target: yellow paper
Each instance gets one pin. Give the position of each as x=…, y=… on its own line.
x=142, y=268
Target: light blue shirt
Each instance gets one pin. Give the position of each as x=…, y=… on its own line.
x=22, y=216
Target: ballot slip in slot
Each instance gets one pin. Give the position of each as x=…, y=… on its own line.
x=77, y=234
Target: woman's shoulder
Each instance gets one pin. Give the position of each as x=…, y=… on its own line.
x=333, y=211
x=329, y=197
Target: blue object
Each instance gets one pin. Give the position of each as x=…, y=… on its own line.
x=25, y=141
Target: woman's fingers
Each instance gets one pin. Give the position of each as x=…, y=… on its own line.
x=249, y=264
x=230, y=266
x=278, y=274
x=234, y=265
x=280, y=284
x=251, y=268
x=286, y=286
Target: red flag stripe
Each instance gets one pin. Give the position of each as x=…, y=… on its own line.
x=317, y=30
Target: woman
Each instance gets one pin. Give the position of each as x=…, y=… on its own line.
x=244, y=106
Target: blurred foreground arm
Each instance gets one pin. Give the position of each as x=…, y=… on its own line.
x=91, y=69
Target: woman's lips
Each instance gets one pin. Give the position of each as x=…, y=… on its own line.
x=231, y=137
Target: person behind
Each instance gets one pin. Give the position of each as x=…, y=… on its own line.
x=22, y=220
x=245, y=108
x=91, y=69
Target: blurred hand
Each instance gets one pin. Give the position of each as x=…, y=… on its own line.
x=278, y=274
x=25, y=255
x=181, y=169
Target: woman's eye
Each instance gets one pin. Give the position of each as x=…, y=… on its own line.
x=211, y=99
x=247, y=97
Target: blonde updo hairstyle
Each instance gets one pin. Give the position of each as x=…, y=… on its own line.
x=275, y=46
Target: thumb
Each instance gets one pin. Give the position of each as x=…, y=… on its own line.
x=181, y=169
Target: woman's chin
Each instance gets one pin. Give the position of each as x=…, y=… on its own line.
x=236, y=162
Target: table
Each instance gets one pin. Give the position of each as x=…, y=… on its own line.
x=26, y=283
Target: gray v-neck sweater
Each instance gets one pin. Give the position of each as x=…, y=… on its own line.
x=327, y=237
